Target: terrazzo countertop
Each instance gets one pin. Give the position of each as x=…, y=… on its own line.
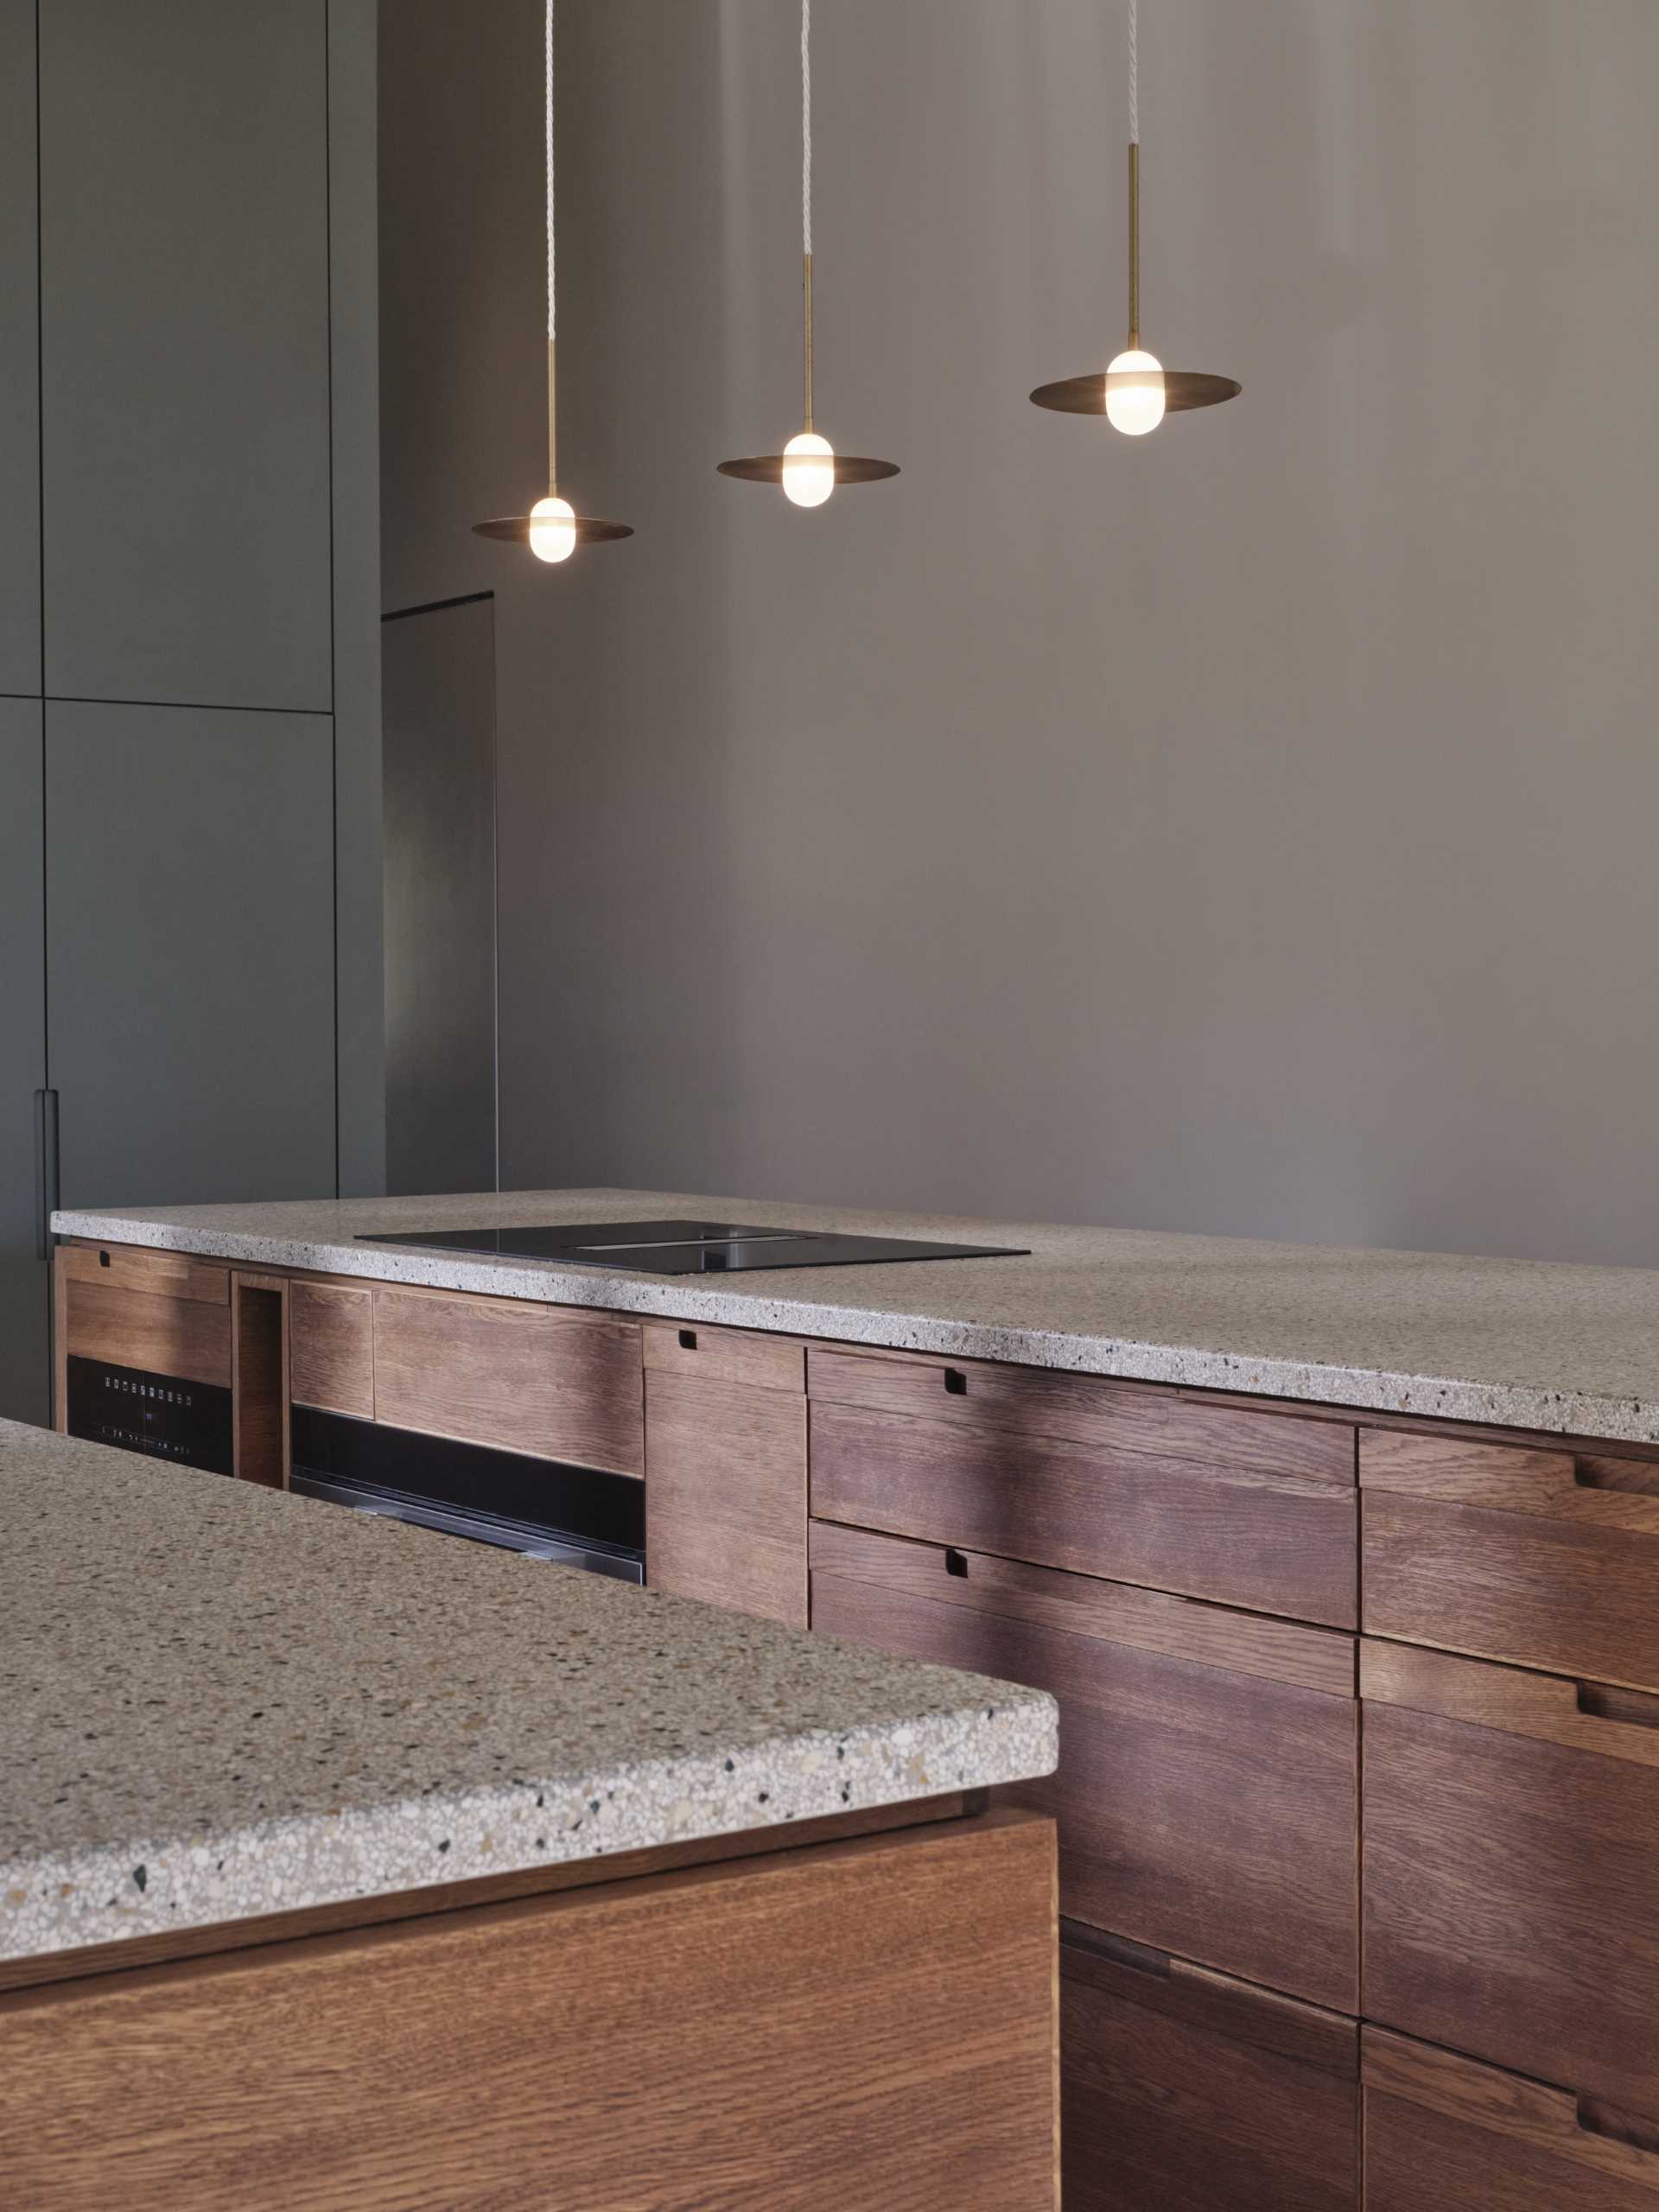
x=1519, y=1343
x=217, y=1700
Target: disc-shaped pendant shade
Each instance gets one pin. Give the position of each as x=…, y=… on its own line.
x=1136, y=392
x=810, y=470
x=550, y=530
x=515, y=530
x=1183, y=388
x=768, y=468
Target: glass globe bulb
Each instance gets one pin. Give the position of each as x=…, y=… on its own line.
x=1135, y=393
x=552, y=530
x=809, y=469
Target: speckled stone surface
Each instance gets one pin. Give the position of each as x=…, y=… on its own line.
x=1521, y=1343
x=217, y=1700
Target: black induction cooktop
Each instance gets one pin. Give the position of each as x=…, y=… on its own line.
x=689, y=1248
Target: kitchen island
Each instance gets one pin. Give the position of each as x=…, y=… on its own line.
x=1224, y=1499
x=1522, y=1343
x=343, y=1863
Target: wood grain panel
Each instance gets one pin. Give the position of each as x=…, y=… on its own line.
x=1087, y=1410
x=1184, y=2090
x=725, y=1495
x=1583, y=1716
x=1204, y=1811
x=1118, y=1612
x=259, y=1378
x=188, y=1336
x=725, y=1355
x=555, y=1384
x=159, y=1274
x=1569, y=1593
x=1444, y=2134
x=1276, y=1543
x=872, y=2022
x=332, y=1348
x=1599, y=1489
x=1511, y=1898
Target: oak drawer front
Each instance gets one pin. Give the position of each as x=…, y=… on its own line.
x=1182, y=2089
x=501, y=1371
x=331, y=1355
x=1511, y=1868
x=1206, y=1794
x=1546, y=1559
x=1087, y=1410
x=185, y=1337
x=736, y=1355
x=1445, y=2134
x=157, y=1274
x=1275, y=1543
x=725, y=1477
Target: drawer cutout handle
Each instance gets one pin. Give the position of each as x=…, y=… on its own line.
x=1596, y=2117
x=955, y=1562
x=687, y=1340
x=1140, y=1958
x=1630, y=1476
x=1631, y=1709
x=103, y=1259
x=956, y=1381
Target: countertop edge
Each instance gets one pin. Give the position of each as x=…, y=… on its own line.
x=1503, y=1405
x=156, y=1886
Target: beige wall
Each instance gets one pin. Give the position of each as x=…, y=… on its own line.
x=1246, y=829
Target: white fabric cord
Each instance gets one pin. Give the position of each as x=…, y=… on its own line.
x=1134, y=77
x=806, y=124
x=549, y=173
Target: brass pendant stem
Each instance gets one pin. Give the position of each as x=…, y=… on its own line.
x=807, y=292
x=1134, y=245
x=552, y=426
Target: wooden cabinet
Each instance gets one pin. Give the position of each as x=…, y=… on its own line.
x=1511, y=1868
x=726, y=1471
x=332, y=1327
x=1443, y=2134
x=1206, y=1793
x=538, y=1379
x=1547, y=1557
x=867, y=2025
x=739, y=1356
x=158, y=1313
x=1254, y=1509
x=1184, y=2091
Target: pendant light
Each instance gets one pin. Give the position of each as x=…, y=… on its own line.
x=552, y=529
x=1136, y=390
x=809, y=468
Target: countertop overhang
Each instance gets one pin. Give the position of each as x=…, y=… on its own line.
x=219, y=1702
x=1521, y=1343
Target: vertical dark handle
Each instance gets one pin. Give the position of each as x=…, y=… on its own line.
x=45, y=1170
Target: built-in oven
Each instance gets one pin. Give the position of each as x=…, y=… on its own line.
x=163, y=1416
x=580, y=1517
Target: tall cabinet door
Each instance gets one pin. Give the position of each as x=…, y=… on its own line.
x=20, y=450
x=184, y=343
x=190, y=953
x=23, y=1372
